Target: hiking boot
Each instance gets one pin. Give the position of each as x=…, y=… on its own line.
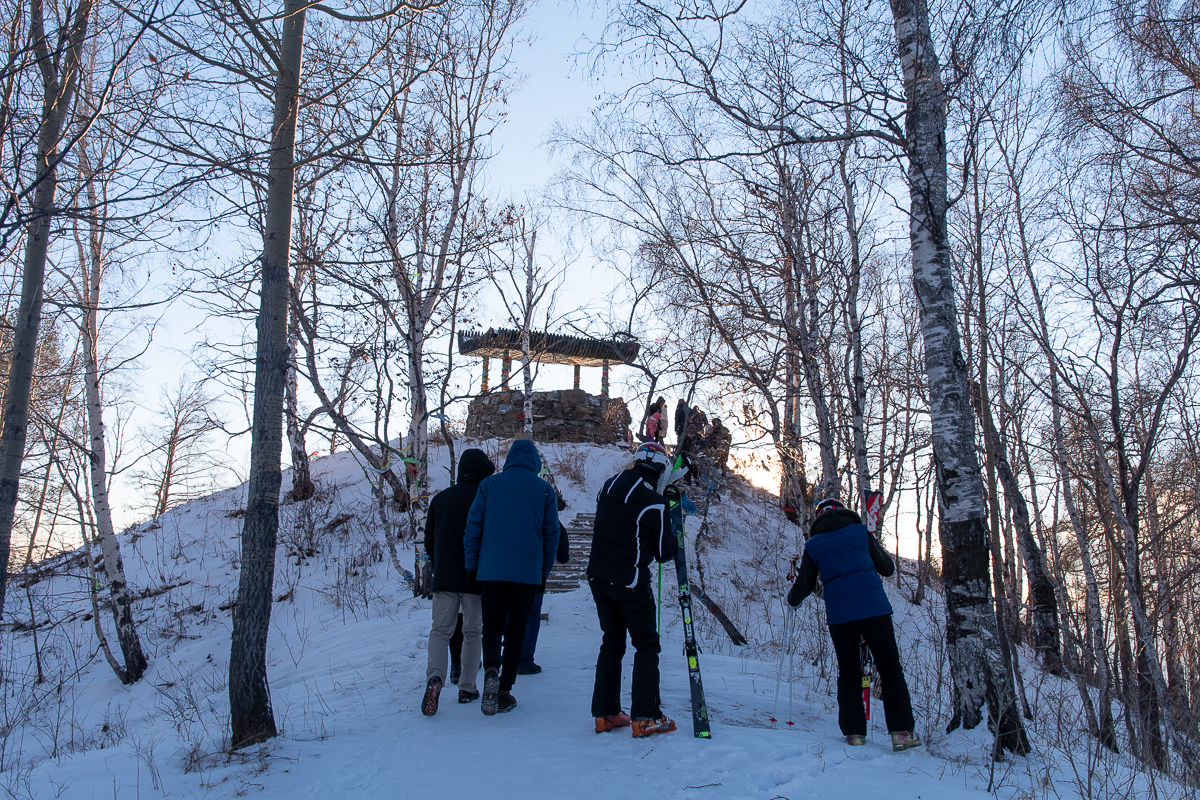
x=905, y=740
x=649, y=727
x=429, y=703
x=466, y=697
x=532, y=669
x=491, y=688
x=854, y=740
x=606, y=724
x=455, y=671
x=505, y=702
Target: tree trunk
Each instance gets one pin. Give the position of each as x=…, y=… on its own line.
x=302, y=484
x=92, y=264
x=858, y=383
x=1151, y=685
x=976, y=665
x=526, y=356
x=800, y=314
x=59, y=80
x=251, y=717
x=858, y=388
x=1042, y=592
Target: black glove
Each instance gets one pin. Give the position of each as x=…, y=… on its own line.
x=471, y=580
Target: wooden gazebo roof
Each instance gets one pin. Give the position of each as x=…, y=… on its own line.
x=549, y=348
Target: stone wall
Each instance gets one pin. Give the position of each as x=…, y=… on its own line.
x=568, y=415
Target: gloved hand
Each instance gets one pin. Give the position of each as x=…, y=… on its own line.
x=471, y=579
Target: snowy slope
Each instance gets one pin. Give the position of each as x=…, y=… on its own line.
x=347, y=665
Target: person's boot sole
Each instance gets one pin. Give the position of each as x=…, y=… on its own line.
x=429, y=703
x=491, y=688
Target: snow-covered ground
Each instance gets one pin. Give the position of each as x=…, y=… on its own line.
x=347, y=667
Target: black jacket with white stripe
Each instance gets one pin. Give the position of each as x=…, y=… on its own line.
x=630, y=530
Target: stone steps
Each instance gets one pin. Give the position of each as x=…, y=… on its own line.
x=567, y=577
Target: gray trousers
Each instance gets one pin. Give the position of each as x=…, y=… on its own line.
x=446, y=606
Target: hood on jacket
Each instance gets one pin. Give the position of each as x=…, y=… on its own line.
x=524, y=454
x=474, y=465
x=834, y=520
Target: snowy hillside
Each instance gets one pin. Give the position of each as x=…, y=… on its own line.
x=347, y=666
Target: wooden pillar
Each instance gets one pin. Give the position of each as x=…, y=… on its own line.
x=604, y=379
x=576, y=376
x=505, y=369
x=486, y=362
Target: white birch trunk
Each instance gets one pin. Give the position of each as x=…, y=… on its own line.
x=92, y=264
x=977, y=668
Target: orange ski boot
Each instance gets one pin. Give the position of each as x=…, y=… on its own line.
x=649, y=727
x=606, y=724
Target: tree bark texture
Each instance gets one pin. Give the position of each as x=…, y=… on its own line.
x=60, y=77
x=302, y=484
x=977, y=668
x=1042, y=594
x=92, y=263
x=251, y=717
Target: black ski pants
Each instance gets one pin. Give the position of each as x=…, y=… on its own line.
x=622, y=610
x=502, y=601
x=881, y=640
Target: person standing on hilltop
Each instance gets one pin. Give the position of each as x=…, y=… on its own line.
x=452, y=590
x=717, y=443
x=631, y=530
x=510, y=544
x=681, y=421
x=849, y=561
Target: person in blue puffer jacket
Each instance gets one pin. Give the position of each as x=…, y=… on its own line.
x=509, y=547
x=849, y=560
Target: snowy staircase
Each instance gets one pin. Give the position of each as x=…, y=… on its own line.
x=567, y=577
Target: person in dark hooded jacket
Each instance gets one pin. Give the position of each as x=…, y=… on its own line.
x=510, y=544
x=631, y=530
x=849, y=560
x=453, y=591
x=681, y=421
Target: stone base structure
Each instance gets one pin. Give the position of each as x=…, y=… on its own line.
x=568, y=415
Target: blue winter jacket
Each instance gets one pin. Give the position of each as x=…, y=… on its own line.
x=512, y=527
x=849, y=561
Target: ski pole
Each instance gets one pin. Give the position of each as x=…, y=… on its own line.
x=787, y=639
x=791, y=671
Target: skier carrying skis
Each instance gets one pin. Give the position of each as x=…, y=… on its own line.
x=631, y=528
x=849, y=561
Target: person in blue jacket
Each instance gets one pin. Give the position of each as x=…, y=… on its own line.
x=849, y=560
x=509, y=547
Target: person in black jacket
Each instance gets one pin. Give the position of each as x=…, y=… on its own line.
x=452, y=588
x=630, y=530
x=681, y=420
x=849, y=560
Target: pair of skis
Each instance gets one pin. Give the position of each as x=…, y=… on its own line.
x=700, y=726
x=675, y=502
